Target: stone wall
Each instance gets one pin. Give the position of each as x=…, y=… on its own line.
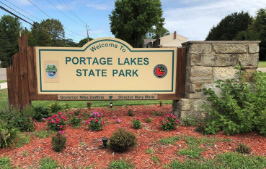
x=209, y=61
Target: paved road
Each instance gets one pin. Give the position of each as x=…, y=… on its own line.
x=2, y=74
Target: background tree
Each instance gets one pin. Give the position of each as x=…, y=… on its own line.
x=83, y=42
x=55, y=30
x=10, y=28
x=132, y=19
x=256, y=31
x=230, y=26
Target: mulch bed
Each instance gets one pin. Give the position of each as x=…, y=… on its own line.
x=83, y=147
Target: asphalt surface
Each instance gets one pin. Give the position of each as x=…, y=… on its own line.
x=2, y=73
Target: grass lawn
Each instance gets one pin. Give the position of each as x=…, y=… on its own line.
x=3, y=81
x=83, y=104
x=262, y=64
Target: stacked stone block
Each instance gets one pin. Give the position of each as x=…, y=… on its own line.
x=209, y=61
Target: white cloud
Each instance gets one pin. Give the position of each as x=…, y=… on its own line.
x=22, y=2
x=195, y=22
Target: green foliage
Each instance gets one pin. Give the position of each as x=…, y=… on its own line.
x=240, y=108
x=41, y=113
x=22, y=139
x=42, y=133
x=229, y=26
x=188, y=121
x=170, y=140
x=148, y=119
x=59, y=141
x=243, y=148
x=56, y=122
x=9, y=34
x=75, y=119
x=169, y=122
x=155, y=159
x=5, y=163
x=55, y=107
x=130, y=113
x=191, y=152
x=7, y=134
x=49, y=163
x=136, y=123
x=226, y=160
x=121, y=164
x=121, y=140
x=132, y=19
x=150, y=151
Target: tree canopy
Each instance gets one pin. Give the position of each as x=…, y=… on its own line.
x=230, y=26
x=132, y=19
x=10, y=28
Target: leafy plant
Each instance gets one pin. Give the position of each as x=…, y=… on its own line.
x=59, y=141
x=121, y=140
x=155, y=159
x=7, y=135
x=43, y=133
x=169, y=122
x=22, y=139
x=148, y=119
x=41, y=113
x=55, y=107
x=136, y=123
x=150, y=151
x=121, y=164
x=75, y=119
x=240, y=108
x=56, y=122
x=243, y=148
x=130, y=113
x=96, y=121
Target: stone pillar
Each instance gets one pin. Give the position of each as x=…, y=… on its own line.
x=207, y=62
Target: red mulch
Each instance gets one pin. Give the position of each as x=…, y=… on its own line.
x=82, y=148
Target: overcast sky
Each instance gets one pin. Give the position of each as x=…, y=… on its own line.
x=190, y=18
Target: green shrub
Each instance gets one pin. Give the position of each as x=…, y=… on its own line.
x=55, y=107
x=169, y=122
x=121, y=140
x=41, y=113
x=121, y=164
x=14, y=118
x=243, y=148
x=240, y=108
x=136, y=123
x=7, y=134
x=59, y=141
x=130, y=113
x=75, y=119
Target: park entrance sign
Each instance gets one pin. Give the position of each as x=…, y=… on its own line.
x=103, y=69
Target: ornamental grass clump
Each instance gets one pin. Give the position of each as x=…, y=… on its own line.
x=136, y=123
x=170, y=122
x=96, y=121
x=121, y=140
x=59, y=141
x=56, y=122
x=75, y=119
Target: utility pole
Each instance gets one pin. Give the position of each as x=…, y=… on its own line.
x=87, y=33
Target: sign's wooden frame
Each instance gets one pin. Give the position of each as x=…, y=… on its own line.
x=22, y=77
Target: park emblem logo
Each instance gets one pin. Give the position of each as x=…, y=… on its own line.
x=160, y=71
x=51, y=70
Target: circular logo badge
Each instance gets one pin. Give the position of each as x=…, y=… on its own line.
x=160, y=71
